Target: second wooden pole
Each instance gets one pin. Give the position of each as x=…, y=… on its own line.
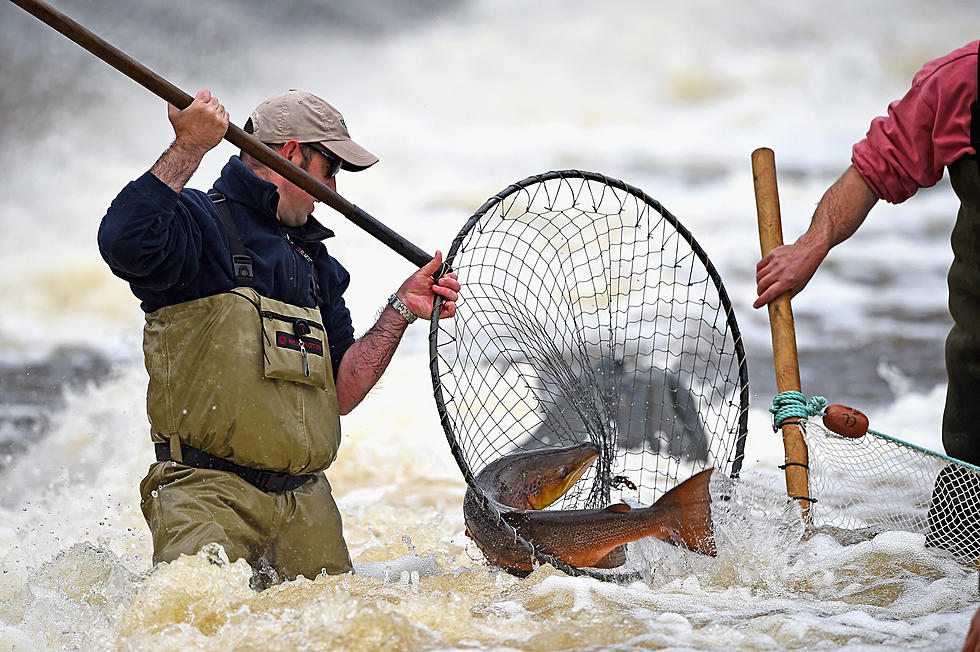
x=783, y=330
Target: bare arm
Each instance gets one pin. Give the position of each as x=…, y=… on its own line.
x=841, y=210
x=198, y=129
x=367, y=358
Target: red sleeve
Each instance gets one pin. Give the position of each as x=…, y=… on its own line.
x=924, y=131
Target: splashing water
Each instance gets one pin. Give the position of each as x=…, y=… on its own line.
x=77, y=571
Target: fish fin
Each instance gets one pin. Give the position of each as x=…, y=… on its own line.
x=686, y=514
x=615, y=558
x=619, y=507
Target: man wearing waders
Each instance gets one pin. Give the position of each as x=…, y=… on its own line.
x=934, y=127
x=248, y=342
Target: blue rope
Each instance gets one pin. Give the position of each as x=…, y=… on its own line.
x=794, y=405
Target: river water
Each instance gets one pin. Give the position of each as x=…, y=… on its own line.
x=459, y=99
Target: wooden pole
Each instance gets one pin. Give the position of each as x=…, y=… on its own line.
x=248, y=143
x=784, y=351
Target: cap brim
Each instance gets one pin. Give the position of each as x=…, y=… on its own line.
x=354, y=157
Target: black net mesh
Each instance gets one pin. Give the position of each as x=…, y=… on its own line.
x=590, y=314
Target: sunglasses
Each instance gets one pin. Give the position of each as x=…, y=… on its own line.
x=333, y=161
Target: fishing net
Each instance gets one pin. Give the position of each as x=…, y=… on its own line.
x=589, y=314
x=876, y=483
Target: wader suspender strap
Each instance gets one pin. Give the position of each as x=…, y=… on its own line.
x=241, y=262
x=317, y=296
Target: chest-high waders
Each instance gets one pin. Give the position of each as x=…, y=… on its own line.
x=954, y=515
x=244, y=417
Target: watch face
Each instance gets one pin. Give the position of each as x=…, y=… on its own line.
x=402, y=309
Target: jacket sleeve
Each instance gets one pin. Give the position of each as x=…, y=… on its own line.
x=149, y=236
x=924, y=132
x=336, y=316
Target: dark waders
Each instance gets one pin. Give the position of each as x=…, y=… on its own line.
x=954, y=514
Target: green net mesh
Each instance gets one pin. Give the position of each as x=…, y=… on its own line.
x=879, y=483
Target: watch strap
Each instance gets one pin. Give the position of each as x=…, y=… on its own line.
x=402, y=309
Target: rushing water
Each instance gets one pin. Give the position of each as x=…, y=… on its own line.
x=460, y=99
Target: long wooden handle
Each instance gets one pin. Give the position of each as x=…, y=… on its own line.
x=783, y=331
x=248, y=143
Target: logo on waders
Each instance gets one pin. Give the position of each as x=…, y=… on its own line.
x=289, y=341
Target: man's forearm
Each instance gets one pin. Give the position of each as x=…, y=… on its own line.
x=841, y=210
x=367, y=358
x=176, y=166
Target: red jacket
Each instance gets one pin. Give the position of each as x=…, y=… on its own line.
x=924, y=131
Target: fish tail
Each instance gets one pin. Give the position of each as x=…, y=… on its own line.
x=684, y=515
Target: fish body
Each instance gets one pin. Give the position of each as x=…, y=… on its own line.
x=582, y=537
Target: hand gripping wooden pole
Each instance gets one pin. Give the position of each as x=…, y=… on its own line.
x=783, y=331
x=248, y=143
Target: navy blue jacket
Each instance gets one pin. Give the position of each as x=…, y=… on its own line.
x=173, y=248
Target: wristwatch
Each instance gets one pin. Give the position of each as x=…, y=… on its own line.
x=402, y=309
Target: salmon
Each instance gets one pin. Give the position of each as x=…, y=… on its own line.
x=581, y=537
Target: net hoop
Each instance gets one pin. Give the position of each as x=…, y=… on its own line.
x=739, y=430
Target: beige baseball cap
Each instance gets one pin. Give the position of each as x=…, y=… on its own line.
x=308, y=119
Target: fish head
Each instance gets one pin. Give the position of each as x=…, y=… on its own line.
x=537, y=478
x=555, y=472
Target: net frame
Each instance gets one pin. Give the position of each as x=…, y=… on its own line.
x=732, y=452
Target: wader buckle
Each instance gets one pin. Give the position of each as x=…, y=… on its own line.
x=242, y=266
